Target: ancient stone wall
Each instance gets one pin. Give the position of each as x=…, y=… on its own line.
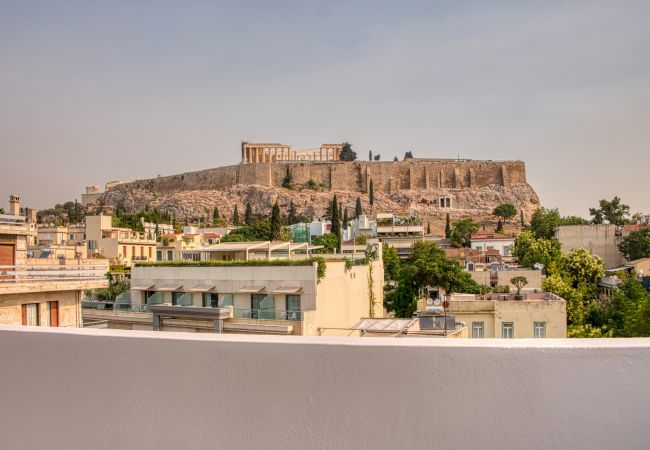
x=388, y=177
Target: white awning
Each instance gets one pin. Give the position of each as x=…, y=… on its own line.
x=250, y=290
x=169, y=287
x=142, y=286
x=202, y=287
x=286, y=290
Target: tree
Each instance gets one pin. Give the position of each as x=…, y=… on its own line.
x=235, y=216
x=499, y=228
x=248, y=214
x=614, y=212
x=530, y=250
x=286, y=183
x=346, y=219
x=462, y=231
x=329, y=242
x=582, y=267
x=448, y=227
x=519, y=283
x=392, y=263
x=505, y=210
x=347, y=154
x=292, y=217
x=370, y=155
x=358, y=209
x=2, y=210
x=428, y=228
x=543, y=222
x=522, y=222
x=395, y=158
x=408, y=155
x=636, y=245
x=336, y=221
x=628, y=310
x=276, y=226
x=371, y=194
x=377, y=157
x=215, y=215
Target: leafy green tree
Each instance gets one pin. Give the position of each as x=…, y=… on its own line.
x=395, y=158
x=371, y=194
x=235, y=216
x=336, y=221
x=260, y=230
x=499, y=228
x=636, y=245
x=448, y=227
x=519, y=283
x=462, y=231
x=544, y=221
x=628, y=309
x=286, y=183
x=582, y=267
x=408, y=155
x=575, y=303
x=347, y=154
x=276, y=225
x=248, y=215
x=358, y=209
x=530, y=250
x=522, y=222
x=377, y=157
x=329, y=241
x=215, y=215
x=428, y=228
x=614, y=212
x=573, y=220
x=392, y=263
x=505, y=211
x=346, y=219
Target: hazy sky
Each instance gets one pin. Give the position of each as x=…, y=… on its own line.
x=98, y=91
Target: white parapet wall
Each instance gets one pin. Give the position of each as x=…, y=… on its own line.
x=106, y=389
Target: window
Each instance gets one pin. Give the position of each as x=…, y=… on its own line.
x=508, y=330
x=478, y=330
x=262, y=307
x=210, y=300
x=150, y=250
x=178, y=299
x=124, y=251
x=506, y=250
x=293, y=307
x=158, y=255
x=225, y=300
x=30, y=314
x=170, y=255
x=540, y=330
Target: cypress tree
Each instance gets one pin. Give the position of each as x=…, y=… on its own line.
x=448, y=228
x=428, y=227
x=521, y=218
x=336, y=222
x=499, y=226
x=370, y=155
x=358, y=210
x=235, y=216
x=215, y=215
x=371, y=195
x=346, y=219
x=292, y=218
x=248, y=215
x=275, y=223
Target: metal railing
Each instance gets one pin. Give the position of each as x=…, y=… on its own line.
x=267, y=314
x=40, y=273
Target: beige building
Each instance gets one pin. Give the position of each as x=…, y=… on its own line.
x=36, y=291
x=171, y=246
x=120, y=245
x=502, y=278
x=271, y=296
x=538, y=315
x=601, y=240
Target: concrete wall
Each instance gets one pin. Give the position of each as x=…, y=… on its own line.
x=387, y=176
x=601, y=240
x=176, y=390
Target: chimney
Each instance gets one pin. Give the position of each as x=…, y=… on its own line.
x=14, y=205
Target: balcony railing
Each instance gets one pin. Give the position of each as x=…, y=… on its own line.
x=40, y=273
x=267, y=314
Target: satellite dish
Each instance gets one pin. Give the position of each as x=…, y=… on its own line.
x=429, y=301
x=538, y=266
x=436, y=302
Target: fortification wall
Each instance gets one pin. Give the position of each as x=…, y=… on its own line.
x=388, y=177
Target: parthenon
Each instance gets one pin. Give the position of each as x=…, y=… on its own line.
x=253, y=153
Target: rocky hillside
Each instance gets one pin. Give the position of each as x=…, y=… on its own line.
x=475, y=202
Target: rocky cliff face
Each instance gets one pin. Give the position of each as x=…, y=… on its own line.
x=477, y=202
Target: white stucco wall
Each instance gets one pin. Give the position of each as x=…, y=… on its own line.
x=106, y=389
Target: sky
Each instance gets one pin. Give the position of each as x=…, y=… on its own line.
x=97, y=91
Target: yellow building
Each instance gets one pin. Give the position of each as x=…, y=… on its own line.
x=120, y=245
x=539, y=315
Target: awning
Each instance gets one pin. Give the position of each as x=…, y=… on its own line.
x=142, y=286
x=250, y=290
x=169, y=287
x=202, y=287
x=286, y=290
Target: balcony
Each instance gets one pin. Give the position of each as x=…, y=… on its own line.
x=49, y=277
x=181, y=390
x=14, y=225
